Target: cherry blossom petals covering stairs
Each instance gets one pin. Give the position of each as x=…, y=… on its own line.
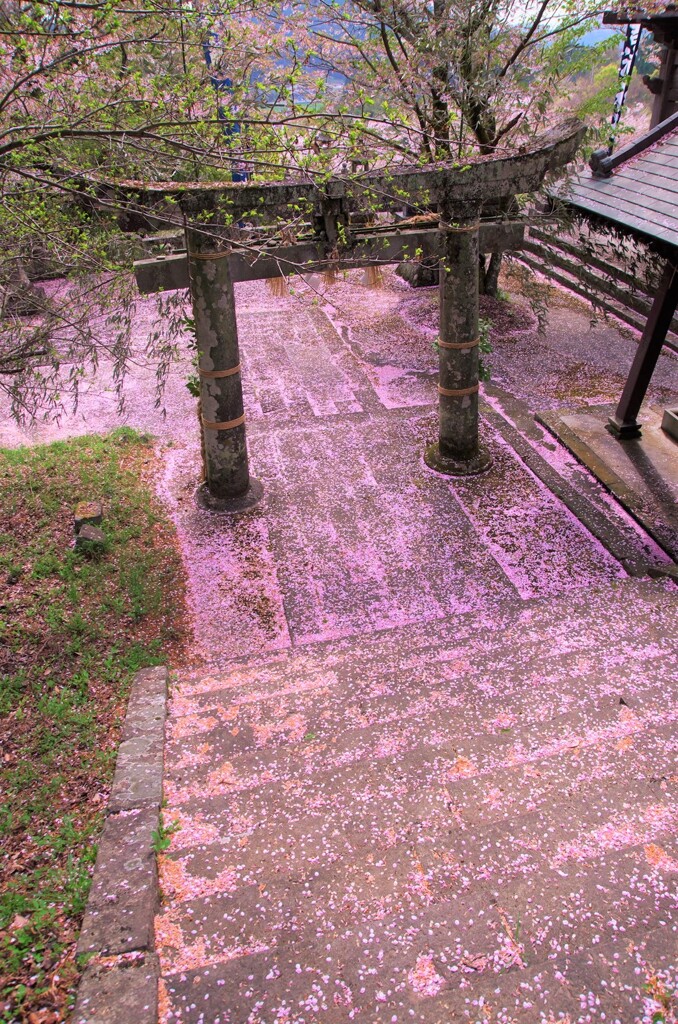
x=440, y=822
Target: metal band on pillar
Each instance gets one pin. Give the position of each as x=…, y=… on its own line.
x=458, y=345
x=459, y=392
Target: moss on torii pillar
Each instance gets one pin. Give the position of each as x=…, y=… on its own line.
x=458, y=450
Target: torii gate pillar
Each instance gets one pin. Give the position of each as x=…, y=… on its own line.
x=228, y=485
x=458, y=451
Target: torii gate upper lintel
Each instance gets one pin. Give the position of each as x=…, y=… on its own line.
x=213, y=247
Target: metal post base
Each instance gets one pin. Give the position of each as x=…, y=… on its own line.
x=243, y=503
x=623, y=431
x=478, y=463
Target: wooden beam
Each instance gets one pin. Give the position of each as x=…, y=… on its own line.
x=602, y=164
x=665, y=100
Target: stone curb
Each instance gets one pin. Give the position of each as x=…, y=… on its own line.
x=121, y=983
x=632, y=501
x=592, y=518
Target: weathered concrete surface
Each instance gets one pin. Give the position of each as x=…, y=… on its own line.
x=450, y=184
x=379, y=360
x=138, y=770
x=452, y=795
x=387, y=333
x=147, y=704
x=424, y=725
x=169, y=272
x=457, y=450
x=121, y=990
x=642, y=474
x=87, y=512
x=576, y=489
x=323, y=555
x=378, y=366
x=219, y=370
x=120, y=984
x=124, y=894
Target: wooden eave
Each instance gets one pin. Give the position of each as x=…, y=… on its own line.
x=635, y=15
x=639, y=192
x=664, y=23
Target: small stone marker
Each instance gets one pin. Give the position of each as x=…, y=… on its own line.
x=86, y=519
x=87, y=512
x=419, y=275
x=21, y=297
x=89, y=535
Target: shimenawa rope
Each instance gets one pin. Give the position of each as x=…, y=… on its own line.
x=227, y=425
x=458, y=393
x=218, y=374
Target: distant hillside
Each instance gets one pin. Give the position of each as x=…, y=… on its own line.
x=596, y=35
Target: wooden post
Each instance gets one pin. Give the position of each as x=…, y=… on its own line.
x=623, y=424
x=458, y=451
x=221, y=400
x=665, y=95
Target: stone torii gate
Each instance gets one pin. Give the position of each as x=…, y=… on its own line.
x=217, y=254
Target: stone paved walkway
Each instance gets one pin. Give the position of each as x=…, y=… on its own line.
x=339, y=410
x=451, y=823
x=428, y=773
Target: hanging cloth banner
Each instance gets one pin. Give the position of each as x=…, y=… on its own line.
x=223, y=86
x=626, y=65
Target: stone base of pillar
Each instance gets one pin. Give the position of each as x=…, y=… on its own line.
x=252, y=496
x=478, y=463
x=623, y=431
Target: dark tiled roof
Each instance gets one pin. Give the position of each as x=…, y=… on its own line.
x=625, y=14
x=640, y=191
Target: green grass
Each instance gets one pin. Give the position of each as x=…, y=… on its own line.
x=73, y=630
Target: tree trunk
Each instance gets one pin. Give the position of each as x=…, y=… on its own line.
x=20, y=297
x=488, y=273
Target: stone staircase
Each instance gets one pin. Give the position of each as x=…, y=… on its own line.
x=470, y=819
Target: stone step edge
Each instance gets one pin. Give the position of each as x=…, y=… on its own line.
x=511, y=608
x=310, y=696
x=473, y=830
x=481, y=828
x=120, y=982
x=280, y=889
x=626, y=497
x=501, y=989
x=534, y=964
x=288, y=762
x=510, y=421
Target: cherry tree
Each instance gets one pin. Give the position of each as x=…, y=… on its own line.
x=94, y=93
x=444, y=79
